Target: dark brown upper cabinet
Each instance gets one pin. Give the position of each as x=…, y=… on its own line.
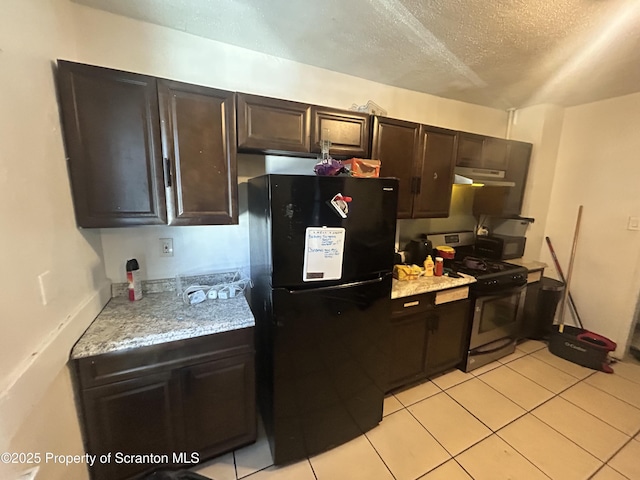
x=270, y=125
x=506, y=201
x=347, y=131
x=112, y=138
x=422, y=158
x=115, y=146
x=435, y=172
x=396, y=144
x=517, y=170
x=478, y=151
x=199, y=147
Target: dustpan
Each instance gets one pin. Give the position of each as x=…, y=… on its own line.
x=577, y=344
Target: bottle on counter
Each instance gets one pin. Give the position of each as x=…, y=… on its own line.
x=439, y=268
x=133, y=279
x=428, y=266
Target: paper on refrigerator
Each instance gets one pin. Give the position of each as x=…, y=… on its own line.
x=323, y=253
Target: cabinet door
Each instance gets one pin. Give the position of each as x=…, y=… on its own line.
x=517, y=170
x=132, y=417
x=396, y=144
x=112, y=138
x=199, y=145
x=347, y=131
x=479, y=151
x=408, y=346
x=494, y=153
x=469, y=152
x=437, y=152
x=272, y=125
x=447, y=343
x=219, y=405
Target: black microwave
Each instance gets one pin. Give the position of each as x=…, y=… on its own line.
x=500, y=247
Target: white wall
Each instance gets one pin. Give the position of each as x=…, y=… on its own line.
x=38, y=227
x=598, y=167
x=113, y=41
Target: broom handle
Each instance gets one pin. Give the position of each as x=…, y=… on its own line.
x=570, y=270
x=561, y=274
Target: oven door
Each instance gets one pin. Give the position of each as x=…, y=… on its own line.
x=497, y=316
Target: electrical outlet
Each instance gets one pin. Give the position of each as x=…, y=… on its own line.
x=166, y=247
x=634, y=223
x=29, y=474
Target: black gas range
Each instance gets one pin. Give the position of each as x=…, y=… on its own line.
x=491, y=275
x=497, y=299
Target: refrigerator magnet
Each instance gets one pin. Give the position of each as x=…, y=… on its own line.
x=323, y=253
x=341, y=204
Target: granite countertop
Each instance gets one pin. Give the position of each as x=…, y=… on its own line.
x=530, y=265
x=159, y=318
x=407, y=288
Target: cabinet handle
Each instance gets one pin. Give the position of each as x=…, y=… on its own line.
x=435, y=175
x=167, y=172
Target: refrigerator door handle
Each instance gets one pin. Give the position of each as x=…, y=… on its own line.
x=340, y=286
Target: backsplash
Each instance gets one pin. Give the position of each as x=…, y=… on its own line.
x=460, y=218
x=179, y=283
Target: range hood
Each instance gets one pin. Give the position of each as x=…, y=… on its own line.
x=481, y=177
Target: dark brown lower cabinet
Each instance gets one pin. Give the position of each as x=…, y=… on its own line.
x=219, y=403
x=179, y=401
x=130, y=417
x=426, y=339
x=446, y=344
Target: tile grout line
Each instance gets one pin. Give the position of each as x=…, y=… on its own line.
x=495, y=432
x=552, y=428
x=312, y=469
x=454, y=400
x=603, y=421
x=558, y=394
x=527, y=411
x=611, y=458
x=451, y=457
x=378, y=453
x=235, y=465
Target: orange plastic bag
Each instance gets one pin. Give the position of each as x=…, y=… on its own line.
x=363, y=167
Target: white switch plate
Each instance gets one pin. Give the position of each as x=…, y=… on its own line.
x=166, y=247
x=634, y=223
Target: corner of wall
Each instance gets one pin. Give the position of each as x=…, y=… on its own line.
x=26, y=385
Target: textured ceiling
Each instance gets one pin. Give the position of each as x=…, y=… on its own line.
x=499, y=53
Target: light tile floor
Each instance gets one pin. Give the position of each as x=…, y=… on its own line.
x=527, y=416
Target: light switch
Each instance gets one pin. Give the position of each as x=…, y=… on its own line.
x=634, y=223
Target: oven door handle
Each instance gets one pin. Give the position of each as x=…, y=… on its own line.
x=503, y=292
x=501, y=344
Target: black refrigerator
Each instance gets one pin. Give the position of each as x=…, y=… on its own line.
x=321, y=264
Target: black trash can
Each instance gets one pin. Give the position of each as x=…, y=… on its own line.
x=540, y=307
